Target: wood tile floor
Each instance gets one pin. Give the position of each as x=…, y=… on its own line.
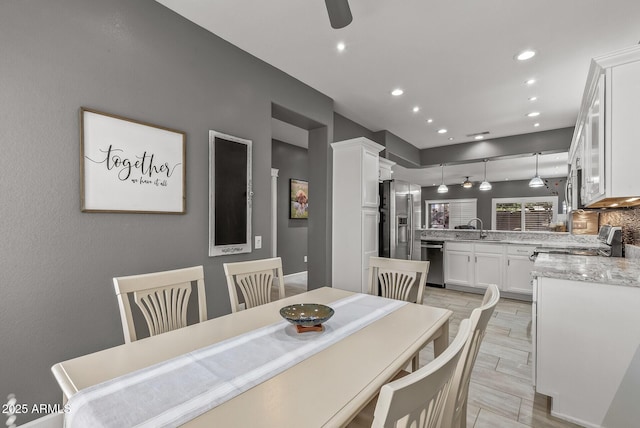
x=501, y=394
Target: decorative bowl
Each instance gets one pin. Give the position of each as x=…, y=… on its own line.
x=306, y=314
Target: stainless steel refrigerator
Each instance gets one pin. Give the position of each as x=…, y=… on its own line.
x=400, y=217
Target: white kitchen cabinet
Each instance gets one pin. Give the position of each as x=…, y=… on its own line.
x=355, y=212
x=458, y=266
x=594, y=146
x=488, y=265
x=370, y=169
x=573, y=192
x=608, y=132
x=471, y=264
x=370, y=219
x=477, y=264
x=385, y=172
x=586, y=350
x=518, y=269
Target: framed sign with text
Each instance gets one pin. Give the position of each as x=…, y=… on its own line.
x=129, y=166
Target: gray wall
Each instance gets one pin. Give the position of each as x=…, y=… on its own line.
x=552, y=141
x=346, y=129
x=291, y=162
x=398, y=150
x=139, y=60
x=503, y=189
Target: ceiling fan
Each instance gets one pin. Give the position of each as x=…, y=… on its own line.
x=339, y=13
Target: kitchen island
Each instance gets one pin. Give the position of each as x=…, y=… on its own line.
x=604, y=270
x=586, y=340
x=503, y=258
x=560, y=239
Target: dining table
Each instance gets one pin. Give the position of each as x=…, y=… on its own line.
x=324, y=389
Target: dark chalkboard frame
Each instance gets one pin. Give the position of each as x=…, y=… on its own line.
x=230, y=192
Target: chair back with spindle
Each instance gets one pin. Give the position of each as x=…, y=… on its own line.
x=397, y=278
x=457, y=402
x=254, y=279
x=162, y=297
x=418, y=399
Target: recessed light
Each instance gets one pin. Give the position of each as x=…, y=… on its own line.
x=506, y=179
x=525, y=55
x=397, y=92
x=530, y=81
x=533, y=98
x=450, y=138
x=478, y=137
x=536, y=124
x=613, y=205
x=533, y=114
x=632, y=199
x=442, y=131
x=416, y=109
x=341, y=46
x=429, y=120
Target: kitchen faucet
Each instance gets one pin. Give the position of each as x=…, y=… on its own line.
x=483, y=234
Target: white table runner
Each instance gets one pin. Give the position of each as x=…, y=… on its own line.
x=175, y=391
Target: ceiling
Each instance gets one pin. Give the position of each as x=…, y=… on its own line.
x=453, y=59
x=520, y=168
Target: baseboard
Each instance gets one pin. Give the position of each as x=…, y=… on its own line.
x=477, y=290
x=297, y=275
x=574, y=420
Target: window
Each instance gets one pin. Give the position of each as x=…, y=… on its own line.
x=526, y=214
x=449, y=213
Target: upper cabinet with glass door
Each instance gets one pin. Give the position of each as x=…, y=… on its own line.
x=594, y=161
x=606, y=142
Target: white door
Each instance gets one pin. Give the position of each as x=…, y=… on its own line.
x=518, y=278
x=369, y=244
x=458, y=268
x=370, y=167
x=488, y=269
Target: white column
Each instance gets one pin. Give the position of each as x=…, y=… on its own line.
x=274, y=212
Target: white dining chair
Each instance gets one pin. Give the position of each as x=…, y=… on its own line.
x=397, y=278
x=400, y=280
x=456, y=405
x=255, y=279
x=418, y=398
x=162, y=297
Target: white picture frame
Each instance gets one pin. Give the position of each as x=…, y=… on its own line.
x=128, y=166
x=230, y=194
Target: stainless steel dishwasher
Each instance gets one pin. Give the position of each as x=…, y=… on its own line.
x=433, y=251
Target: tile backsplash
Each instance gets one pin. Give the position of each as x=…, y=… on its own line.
x=628, y=218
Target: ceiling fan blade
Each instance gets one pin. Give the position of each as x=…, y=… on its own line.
x=339, y=13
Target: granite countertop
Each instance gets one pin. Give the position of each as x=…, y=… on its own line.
x=536, y=239
x=604, y=270
x=546, y=244
x=511, y=241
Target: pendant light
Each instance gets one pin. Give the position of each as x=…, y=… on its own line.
x=485, y=185
x=536, y=181
x=443, y=187
x=467, y=184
